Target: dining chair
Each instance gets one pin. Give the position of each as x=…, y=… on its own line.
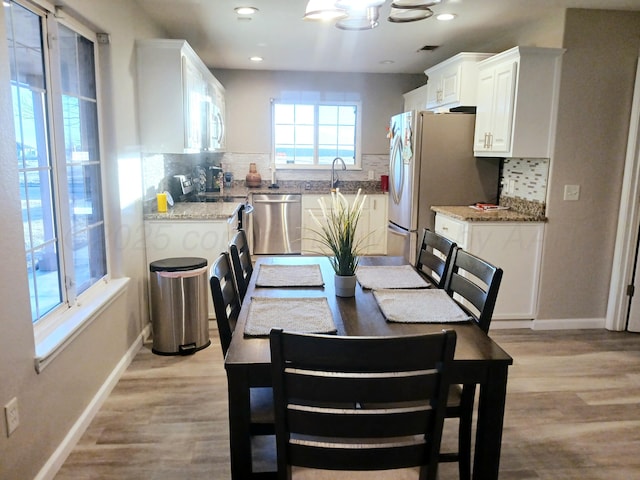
x=241, y=260
x=319, y=383
x=226, y=305
x=473, y=283
x=434, y=257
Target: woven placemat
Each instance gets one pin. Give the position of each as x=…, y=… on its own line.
x=419, y=306
x=290, y=276
x=392, y=276
x=301, y=314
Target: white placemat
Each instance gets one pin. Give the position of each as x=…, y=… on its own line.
x=289, y=276
x=392, y=276
x=419, y=306
x=301, y=314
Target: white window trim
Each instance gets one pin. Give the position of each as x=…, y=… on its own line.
x=68, y=325
x=61, y=326
x=357, y=166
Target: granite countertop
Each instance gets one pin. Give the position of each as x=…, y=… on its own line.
x=222, y=205
x=196, y=211
x=469, y=214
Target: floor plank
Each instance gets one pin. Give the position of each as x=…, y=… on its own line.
x=573, y=412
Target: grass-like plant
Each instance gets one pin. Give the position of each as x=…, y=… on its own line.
x=337, y=231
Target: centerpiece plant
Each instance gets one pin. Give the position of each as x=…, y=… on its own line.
x=336, y=231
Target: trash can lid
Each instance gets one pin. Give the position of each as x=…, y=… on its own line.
x=177, y=264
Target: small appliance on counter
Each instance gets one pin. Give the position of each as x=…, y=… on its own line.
x=181, y=188
x=213, y=178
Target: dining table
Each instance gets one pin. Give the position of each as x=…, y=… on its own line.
x=478, y=359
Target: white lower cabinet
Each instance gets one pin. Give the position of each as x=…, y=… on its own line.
x=516, y=247
x=185, y=238
x=372, y=227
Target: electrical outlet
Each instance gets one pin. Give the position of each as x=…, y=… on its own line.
x=11, y=415
x=370, y=174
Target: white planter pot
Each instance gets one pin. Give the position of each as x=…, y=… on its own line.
x=345, y=285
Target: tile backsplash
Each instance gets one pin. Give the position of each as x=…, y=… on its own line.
x=525, y=179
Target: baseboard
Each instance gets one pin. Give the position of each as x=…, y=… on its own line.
x=569, y=324
x=55, y=462
x=550, y=324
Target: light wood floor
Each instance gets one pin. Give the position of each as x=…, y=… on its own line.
x=573, y=412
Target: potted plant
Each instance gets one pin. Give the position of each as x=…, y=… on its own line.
x=337, y=232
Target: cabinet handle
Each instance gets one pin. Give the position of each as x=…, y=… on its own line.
x=491, y=140
x=486, y=141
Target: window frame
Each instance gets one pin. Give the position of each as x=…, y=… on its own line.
x=75, y=311
x=357, y=165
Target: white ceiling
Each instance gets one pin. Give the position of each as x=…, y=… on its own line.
x=286, y=42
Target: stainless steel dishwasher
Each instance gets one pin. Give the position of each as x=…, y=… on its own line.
x=277, y=224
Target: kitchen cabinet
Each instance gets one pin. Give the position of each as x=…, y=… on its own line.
x=416, y=99
x=453, y=83
x=372, y=227
x=516, y=247
x=186, y=238
x=181, y=103
x=517, y=96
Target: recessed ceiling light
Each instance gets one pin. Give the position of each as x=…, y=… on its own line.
x=386, y=62
x=256, y=59
x=245, y=10
x=445, y=17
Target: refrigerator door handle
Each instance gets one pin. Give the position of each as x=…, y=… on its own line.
x=396, y=170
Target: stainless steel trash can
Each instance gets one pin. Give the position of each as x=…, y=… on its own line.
x=179, y=313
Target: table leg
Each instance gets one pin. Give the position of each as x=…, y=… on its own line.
x=491, y=404
x=239, y=423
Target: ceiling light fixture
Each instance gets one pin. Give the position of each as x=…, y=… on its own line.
x=445, y=17
x=256, y=59
x=245, y=10
x=323, y=10
x=364, y=14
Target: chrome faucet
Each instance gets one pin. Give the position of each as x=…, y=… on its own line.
x=334, y=176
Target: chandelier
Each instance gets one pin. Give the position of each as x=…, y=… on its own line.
x=364, y=14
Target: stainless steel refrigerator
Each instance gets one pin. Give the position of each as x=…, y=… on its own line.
x=431, y=162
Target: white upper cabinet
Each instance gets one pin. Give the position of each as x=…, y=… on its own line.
x=453, y=83
x=181, y=103
x=517, y=94
x=416, y=99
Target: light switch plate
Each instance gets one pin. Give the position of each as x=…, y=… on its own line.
x=572, y=192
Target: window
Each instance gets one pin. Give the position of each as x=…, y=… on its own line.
x=312, y=135
x=55, y=113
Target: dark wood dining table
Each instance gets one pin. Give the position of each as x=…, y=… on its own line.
x=478, y=360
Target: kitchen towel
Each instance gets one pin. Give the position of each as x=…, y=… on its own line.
x=289, y=276
x=392, y=276
x=419, y=306
x=302, y=314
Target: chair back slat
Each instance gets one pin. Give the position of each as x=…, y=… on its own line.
x=241, y=261
x=434, y=257
x=320, y=383
x=226, y=302
x=477, y=282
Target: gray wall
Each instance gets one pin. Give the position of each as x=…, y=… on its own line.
x=248, y=95
x=598, y=74
x=51, y=402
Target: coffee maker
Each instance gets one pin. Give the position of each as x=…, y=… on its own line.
x=213, y=178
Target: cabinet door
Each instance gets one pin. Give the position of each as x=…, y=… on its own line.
x=434, y=91
x=503, y=104
x=484, y=110
x=309, y=227
x=517, y=249
x=377, y=240
x=195, y=109
x=450, y=85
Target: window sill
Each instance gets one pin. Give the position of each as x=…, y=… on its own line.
x=75, y=320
